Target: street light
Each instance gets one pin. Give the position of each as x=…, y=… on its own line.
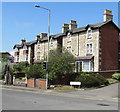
x=49, y=13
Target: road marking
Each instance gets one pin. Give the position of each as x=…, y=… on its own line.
x=58, y=94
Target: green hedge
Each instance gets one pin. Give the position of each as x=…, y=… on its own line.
x=91, y=80
x=116, y=76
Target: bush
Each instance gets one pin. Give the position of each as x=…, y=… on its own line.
x=60, y=63
x=116, y=76
x=20, y=67
x=91, y=80
x=35, y=71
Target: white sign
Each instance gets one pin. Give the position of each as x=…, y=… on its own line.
x=75, y=83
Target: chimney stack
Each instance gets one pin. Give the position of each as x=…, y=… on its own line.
x=72, y=24
x=43, y=35
x=37, y=37
x=65, y=27
x=108, y=15
x=23, y=41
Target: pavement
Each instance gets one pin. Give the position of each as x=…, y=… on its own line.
x=108, y=93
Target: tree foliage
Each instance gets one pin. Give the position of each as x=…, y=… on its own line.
x=3, y=63
x=20, y=67
x=60, y=63
x=35, y=71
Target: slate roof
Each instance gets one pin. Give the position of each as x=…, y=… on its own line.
x=84, y=57
x=73, y=31
x=27, y=44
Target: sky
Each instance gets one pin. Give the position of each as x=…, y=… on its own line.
x=21, y=20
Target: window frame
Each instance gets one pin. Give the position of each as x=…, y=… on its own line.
x=89, y=33
x=69, y=37
x=90, y=48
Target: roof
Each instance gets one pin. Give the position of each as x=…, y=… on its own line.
x=73, y=31
x=58, y=35
x=27, y=44
x=84, y=58
x=4, y=53
x=82, y=29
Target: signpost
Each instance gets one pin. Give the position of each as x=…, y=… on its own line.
x=75, y=83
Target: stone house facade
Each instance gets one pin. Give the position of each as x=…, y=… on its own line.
x=24, y=52
x=96, y=47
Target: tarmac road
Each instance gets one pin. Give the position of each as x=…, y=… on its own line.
x=28, y=99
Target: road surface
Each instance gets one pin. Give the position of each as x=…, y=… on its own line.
x=15, y=99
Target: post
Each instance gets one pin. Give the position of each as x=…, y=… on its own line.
x=48, y=49
x=49, y=13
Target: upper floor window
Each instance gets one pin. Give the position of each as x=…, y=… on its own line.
x=89, y=33
x=16, y=58
x=25, y=47
x=16, y=50
x=69, y=49
x=69, y=37
x=38, y=46
x=25, y=57
x=89, y=48
x=51, y=42
x=38, y=55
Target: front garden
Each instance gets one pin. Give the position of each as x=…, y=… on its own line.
x=60, y=72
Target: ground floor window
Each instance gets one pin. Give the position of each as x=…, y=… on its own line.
x=84, y=65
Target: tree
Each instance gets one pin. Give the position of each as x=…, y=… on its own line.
x=3, y=63
x=35, y=71
x=21, y=67
x=60, y=63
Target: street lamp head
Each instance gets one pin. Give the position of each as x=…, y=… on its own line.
x=36, y=5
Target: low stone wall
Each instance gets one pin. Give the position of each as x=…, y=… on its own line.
x=19, y=81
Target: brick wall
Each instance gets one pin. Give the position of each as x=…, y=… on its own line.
x=109, y=47
x=41, y=83
x=31, y=83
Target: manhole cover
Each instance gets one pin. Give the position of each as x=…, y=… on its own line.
x=103, y=104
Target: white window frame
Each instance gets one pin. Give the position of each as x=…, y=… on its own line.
x=69, y=37
x=90, y=65
x=25, y=47
x=38, y=55
x=51, y=42
x=69, y=49
x=89, y=48
x=16, y=59
x=89, y=33
x=38, y=46
x=25, y=57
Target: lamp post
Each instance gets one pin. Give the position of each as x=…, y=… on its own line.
x=49, y=13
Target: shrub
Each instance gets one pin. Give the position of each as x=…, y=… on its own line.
x=91, y=80
x=60, y=63
x=116, y=76
x=35, y=71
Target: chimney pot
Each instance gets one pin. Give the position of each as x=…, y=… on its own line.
x=73, y=24
x=23, y=41
x=107, y=15
x=43, y=35
x=65, y=27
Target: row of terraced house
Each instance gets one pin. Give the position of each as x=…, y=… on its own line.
x=96, y=47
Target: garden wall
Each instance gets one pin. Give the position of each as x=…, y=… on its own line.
x=36, y=83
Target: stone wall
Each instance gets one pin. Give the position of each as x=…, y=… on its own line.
x=79, y=43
